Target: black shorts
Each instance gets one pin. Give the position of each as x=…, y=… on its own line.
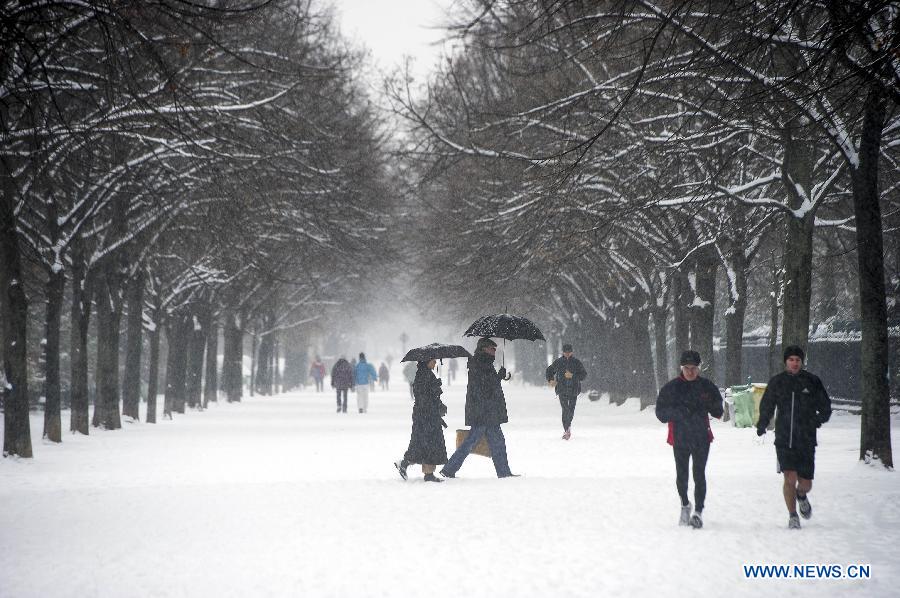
x=801, y=461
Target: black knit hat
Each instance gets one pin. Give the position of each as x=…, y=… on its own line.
x=690, y=357
x=794, y=351
x=567, y=348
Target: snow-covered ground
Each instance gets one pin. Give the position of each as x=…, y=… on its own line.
x=281, y=496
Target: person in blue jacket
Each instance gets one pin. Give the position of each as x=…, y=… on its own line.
x=685, y=404
x=802, y=405
x=365, y=374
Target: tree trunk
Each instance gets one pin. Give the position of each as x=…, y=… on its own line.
x=734, y=317
x=263, y=378
x=194, y=375
x=642, y=375
x=875, y=436
x=276, y=367
x=14, y=315
x=703, y=307
x=82, y=283
x=153, y=373
x=774, y=309
x=680, y=313
x=178, y=335
x=106, y=405
x=211, y=382
x=797, y=168
x=232, y=360
x=56, y=284
x=131, y=384
x=254, y=372
x=660, y=314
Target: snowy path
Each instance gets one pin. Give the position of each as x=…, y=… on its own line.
x=281, y=496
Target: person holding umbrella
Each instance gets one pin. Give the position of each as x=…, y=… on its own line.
x=426, y=442
x=485, y=411
x=565, y=376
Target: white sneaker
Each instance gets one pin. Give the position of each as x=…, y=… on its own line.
x=793, y=521
x=685, y=518
x=696, y=520
x=804, y=507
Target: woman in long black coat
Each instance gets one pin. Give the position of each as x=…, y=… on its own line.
x=426, y=443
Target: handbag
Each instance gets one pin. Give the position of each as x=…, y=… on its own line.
x=481, y=447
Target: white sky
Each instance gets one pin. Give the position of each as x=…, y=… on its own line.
x=394, y=28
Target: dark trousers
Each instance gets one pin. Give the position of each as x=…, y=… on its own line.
x=699, y=455
x=342, y=406
x=568, y=409
x=319, y=385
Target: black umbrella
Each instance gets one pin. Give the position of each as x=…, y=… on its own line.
x=505, y=326
x=435, y=351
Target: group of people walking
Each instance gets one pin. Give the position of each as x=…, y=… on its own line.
x=485, y=412
x=357, y=376
x=796, y=398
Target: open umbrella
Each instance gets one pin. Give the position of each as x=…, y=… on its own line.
x=505, y=326
x=435, y=351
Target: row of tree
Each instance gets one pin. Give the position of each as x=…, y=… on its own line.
x=176, y=167
x=605, y=163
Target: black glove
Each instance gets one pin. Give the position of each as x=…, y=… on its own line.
x=760, y=431
x=502, y=373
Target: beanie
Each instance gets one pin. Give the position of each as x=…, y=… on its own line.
x=794, y=351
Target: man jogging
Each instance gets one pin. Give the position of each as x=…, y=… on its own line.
x=802, y=405
x=565, y=376
x=686, y=403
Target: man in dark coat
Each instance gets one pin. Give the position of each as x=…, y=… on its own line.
x=802, y=405
x=686, y=403
x=565, y=376
x=485, y=411
x=342, y=380
x=426, y=443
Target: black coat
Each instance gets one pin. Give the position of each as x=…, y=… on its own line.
x=426, y=443
x=802, y=404
x=485, y=403
x=569, y=387
x=342, y=375
x=686, y=407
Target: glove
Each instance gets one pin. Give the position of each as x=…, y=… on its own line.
x=502, y=373
x=760, y=431
x=568, y=375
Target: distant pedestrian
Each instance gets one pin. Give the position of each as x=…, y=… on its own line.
x=409, y=372
x=565, y=376
x=800, y=404
x=342, y=380
x=317, y=373
x=365, y=375
x=485, y=411
x=426, y=442
x=451, y=372
x=384, y=375
x=686, y=403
